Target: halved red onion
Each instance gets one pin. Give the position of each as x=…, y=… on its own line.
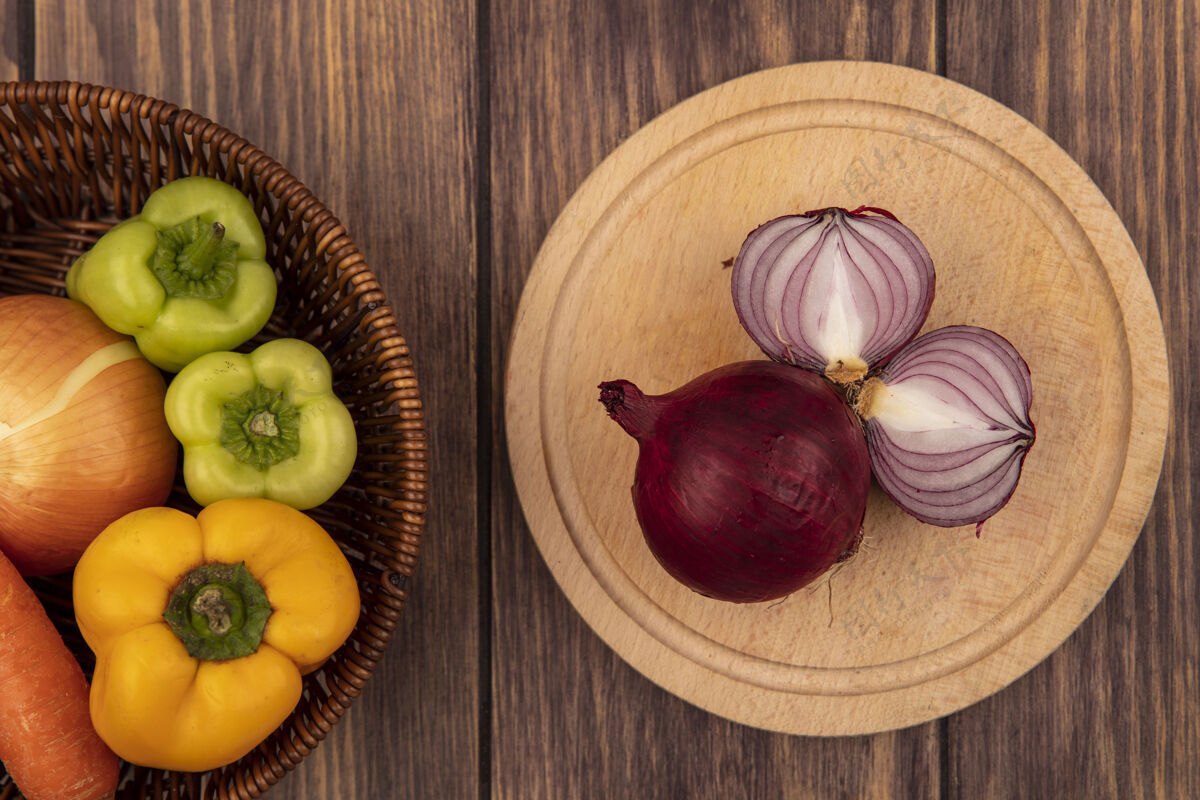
x=833, y=291
x=948, y=425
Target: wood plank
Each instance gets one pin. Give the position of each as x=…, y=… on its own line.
x=1113, y=713
x=371, y=106
x=10, y=42
x=570, y=719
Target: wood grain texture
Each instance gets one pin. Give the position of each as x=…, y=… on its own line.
x=376, y=106
x=10, y=45
x=371, y=106
x=569, y=718
x=1114, y=713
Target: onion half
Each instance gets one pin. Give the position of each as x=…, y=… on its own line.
x=83, y=437
x=833, y=291
x=751, y=479
x=948, y=426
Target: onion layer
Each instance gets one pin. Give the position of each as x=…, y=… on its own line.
x=751, y=480
x=83, y=438
x=948, y=425
x=833, y=291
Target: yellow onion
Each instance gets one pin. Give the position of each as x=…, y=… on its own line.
x=83, y=438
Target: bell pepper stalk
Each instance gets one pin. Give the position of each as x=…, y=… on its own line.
x=183, y=277
x=203, y=627
x=263, y=424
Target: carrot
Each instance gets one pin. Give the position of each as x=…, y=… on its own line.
x=47, y=741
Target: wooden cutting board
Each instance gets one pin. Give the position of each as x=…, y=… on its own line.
x=631, y=283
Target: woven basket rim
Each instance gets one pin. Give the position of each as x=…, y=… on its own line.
x=274, y=176
x=354, y=278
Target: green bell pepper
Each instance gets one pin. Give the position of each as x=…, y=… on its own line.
x=185, y=276
x=265, y=424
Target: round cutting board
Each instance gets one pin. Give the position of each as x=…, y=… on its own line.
x=632, y=282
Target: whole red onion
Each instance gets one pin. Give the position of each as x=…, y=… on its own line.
x=751, y=479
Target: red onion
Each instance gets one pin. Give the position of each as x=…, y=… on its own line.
x=751, y=479
x=947, y=425
x=833, y=291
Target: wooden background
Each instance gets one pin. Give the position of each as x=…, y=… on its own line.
x=447, y=135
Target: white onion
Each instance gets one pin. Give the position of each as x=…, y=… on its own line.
x=948, y=426
x=83, y=437
x=833, y=291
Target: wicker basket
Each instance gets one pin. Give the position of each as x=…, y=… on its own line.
x=75, y=159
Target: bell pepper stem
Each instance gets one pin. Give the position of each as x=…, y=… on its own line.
x=197, y=257
x=218, y=611
x=260, y=427
x=264, y=424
